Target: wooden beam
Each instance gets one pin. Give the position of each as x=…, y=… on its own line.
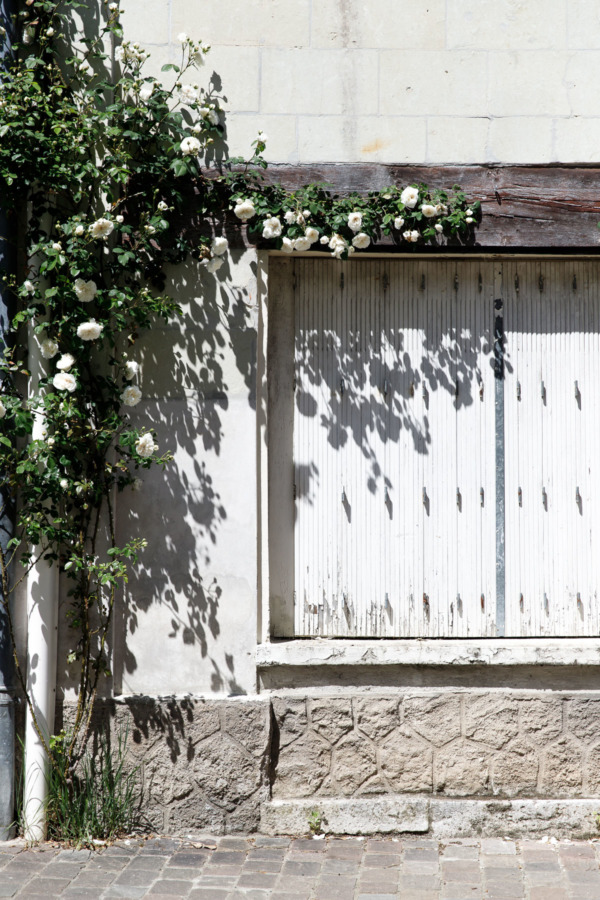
x=523, y=207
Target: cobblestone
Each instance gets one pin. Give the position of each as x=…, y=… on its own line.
x=259, y=868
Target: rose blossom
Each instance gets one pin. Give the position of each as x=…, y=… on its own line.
x=89, y=331
x=132, y=369
x=29, y=287
x=101, y=228
x=355, y=221
x=219, y=246
x=271, y=227
x=48, y=348
x=398, y=222
x=244, y=210
x=145, y=445
x=286, y=245
x=85, y=290
x=409, y=197
x=79, y=230
x=361, y=241
x=411, y=236
x=131, y=396
x=428, y=210
x=312, y=235
x=62, y=381
x=190, y=146
x=65, y=362
x=290, y=217
x=302, y=243
x=439, y=228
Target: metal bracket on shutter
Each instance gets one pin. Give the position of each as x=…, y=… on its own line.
x=426, y=608
x=578, y=499
x=543, y=392
x=520, y=496
x=546, y=604
x=481, y=496
x=541, y=282
x=518, y=390
x=544, y=499
x=458, y=499
x=578, y=394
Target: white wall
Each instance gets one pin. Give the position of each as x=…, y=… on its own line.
x=437, y=81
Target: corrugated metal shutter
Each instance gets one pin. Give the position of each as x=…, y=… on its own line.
x=396, y=424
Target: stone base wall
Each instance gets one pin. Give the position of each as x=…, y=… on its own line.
x=213, y=765
x=470, y=744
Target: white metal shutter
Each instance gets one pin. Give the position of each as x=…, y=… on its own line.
x=552, y=437
x=394, y=448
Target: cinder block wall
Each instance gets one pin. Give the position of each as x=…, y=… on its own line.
x=447, y=81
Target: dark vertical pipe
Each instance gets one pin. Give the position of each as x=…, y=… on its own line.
x=7, y=730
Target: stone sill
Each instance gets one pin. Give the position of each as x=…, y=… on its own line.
x=422, y=652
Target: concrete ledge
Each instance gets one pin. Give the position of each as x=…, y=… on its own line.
x=376, y=815
x=441, y=819
x=423, y=652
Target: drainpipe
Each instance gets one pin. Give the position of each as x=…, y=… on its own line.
x=7, y=727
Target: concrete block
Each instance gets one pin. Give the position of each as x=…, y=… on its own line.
x=353, y=762
x=541, y=718
x=437, y=718
x=331, y=718
x=515, y=770
x=582, y=71
x=520, y=140
x=576, y=140
x=347, y=816
x=573, y=819
x=146, y=21
x=491, y=720
x=432, y=82
x=376, y=717
x=393, y=24
x=235, y=71
x=282, y=141
x=319, y=82
x=406, y=763
x=270, y=23
x=462, y=769
x=301, y=767
x=528, y=83
x=391, y=139
x=291, y=719
x=506, y=24
x=562, y=769
x=582, y=719
x=457, y=139
x=583, y=25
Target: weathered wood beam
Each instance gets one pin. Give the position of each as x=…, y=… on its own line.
x=523, y=207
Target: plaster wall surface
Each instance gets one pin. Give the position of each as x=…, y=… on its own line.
x=188, y=621
x=447, y=81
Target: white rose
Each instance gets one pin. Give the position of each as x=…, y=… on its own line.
x=79, y=230
x=50, y=32
x=469, y=220
x=62, y=381
x=48, y=348
x=469, y=212
x=213, y=117
x=286, y=245
x=244, y=210
x=2, y=410
x=219, y=246
x=65, y=362
x=337, y=245
x=361, y=241
x=301, y=244
x=324, y=239
x=306, y=213
x=312, y=235
x=439, y=228
x=441, y=209
x=89, y=331
x=188, y=94
x=428, y=210
x=56, y=246
x=64, y=483
x=213, y=265
x=271, y=227
x=355, y=221
x=145, y=445
x=132, y=369
x=29, y=287
x=190, y=146
x=101, y=228
x=290, y=217
x=162, y=206
x=131, y=396
x=409, y=197
x=120, y=219
x=85, y=290
x=182, y=37
x=146, y=90
x=398, y=222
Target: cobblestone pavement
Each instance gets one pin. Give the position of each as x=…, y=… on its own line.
x=263, y=868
